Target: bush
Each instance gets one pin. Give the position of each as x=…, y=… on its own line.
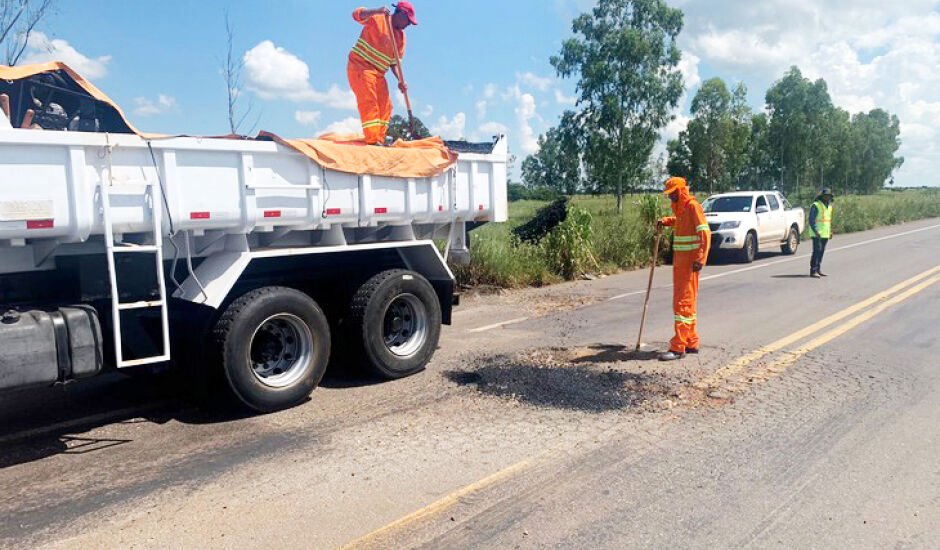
x=595, y=237
x=569, y=246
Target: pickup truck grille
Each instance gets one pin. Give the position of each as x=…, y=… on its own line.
x=714, y=226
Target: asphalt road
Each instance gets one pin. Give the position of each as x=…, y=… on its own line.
x=810, y=419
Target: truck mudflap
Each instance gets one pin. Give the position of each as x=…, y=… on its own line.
x=42, y=348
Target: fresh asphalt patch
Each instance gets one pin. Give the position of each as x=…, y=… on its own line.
x=595, y=379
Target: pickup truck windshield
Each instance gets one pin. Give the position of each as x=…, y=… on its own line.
x=728, y=204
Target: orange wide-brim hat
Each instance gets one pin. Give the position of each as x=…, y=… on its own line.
x=674, y=183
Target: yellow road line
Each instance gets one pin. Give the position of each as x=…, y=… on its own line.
x=842, y=329
x=440, y=504
x=738, y=364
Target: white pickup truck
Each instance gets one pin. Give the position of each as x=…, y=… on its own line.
x=744, y=221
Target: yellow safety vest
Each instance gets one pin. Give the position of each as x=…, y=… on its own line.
x=823, y=221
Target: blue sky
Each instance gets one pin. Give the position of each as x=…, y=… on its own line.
x=476, y=68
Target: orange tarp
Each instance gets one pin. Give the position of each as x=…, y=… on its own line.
x=26, y=71
x=404, y=159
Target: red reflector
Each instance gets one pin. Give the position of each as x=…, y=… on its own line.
x=334, y=211
x=272, y=213
x=381, y=210
x=440, y=208
x=40, y=224
x=481, y=207
x=199, y=215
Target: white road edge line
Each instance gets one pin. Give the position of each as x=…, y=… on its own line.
x=499, y=325
x=784, y=260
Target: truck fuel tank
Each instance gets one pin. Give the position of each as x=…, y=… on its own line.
x=41, y=348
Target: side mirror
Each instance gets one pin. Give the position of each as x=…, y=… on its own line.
x=762, y=209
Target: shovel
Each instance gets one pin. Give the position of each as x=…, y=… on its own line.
x=649, y=288
x=401, y=78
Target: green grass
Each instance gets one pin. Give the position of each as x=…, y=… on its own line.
x=624, y=240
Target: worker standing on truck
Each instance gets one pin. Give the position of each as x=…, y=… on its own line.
x=369, y=60
x=820, y=229
x=691, y=242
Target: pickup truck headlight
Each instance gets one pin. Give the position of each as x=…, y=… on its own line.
x=729, y=225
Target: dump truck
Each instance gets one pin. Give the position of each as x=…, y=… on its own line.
x=246, y=258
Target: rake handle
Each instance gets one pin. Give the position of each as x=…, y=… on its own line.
x=649, y=288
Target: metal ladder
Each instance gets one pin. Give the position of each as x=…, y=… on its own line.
x=156, y=215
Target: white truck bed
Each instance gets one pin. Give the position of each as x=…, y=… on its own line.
x=51, y=181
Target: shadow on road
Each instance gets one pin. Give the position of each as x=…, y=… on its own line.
x=790, y=277
x=616, y=353
x=581, y=388
x=44, y=422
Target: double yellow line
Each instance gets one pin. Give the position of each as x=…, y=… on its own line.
x=882, y=301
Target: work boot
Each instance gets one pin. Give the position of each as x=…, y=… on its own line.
x=814, y=275
x=671, y=356
x=821, y=274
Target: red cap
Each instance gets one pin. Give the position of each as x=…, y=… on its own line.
x=409, y=11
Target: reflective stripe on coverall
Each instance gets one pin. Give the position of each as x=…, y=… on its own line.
x=691, y=244
x=369, y=60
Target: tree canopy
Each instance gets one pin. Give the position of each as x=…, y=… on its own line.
x=625, y=57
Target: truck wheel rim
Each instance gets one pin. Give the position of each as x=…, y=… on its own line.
x=405, y=325
x=792, y=242
x=281, y=350
x=750, y=246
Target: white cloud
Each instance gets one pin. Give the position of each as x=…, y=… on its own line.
x=274, y=73
x=427, y=111
x=41, y=49
x=525, y=112
x=562, y=99
x=347, y=126
x=454, y=128
x=489, y=91
x=149, y=107
x=489, y=129
x=871, y=54
x=532, y=80
x=308, y=118
x=481, y=108
x=688, y=65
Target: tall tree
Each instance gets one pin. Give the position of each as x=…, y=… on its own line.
x=718, y=135
x=800, y=112
x=626, y=57
x=18, y=20
x=400, y=128
x=876, y=141
x=557, y=163
x=680, y=156
x=232, y=67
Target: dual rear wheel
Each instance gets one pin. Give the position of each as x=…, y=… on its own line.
x=274, y=343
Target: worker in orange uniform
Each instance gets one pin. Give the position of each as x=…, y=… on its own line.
x=371, y=58
x=692, y=240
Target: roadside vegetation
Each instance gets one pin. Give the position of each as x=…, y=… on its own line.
x=597, y=239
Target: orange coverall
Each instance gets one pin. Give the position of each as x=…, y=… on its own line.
x=691, y=244
x=369, y=60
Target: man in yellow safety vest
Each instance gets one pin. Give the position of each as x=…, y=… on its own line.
x=820, y=229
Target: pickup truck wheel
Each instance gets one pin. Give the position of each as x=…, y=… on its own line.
x=395, y=318
x=749, y=251
x=274, y=345
x=793, y=242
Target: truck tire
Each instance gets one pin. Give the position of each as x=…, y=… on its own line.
x=274, y=346
x=395, y=323
x=749, y=251
x=792, y=243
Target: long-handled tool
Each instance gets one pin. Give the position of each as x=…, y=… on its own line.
x=401, y=78
x=649, y=287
